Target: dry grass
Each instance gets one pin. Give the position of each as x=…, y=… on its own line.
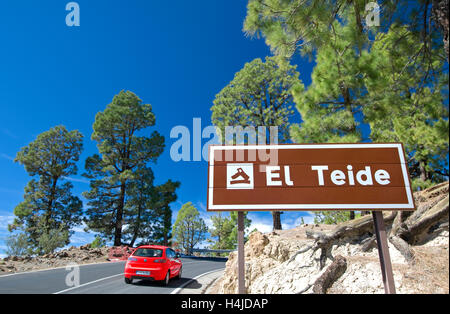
x=430, y=273
x=299, y=233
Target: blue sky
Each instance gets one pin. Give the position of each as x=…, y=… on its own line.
x=175, y=55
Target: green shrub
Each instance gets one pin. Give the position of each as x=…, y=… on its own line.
x=17, y=245
x=98, y=242
x=49, y=242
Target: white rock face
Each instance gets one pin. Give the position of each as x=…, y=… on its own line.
x=439, y=240
x=365, y=278
x=299, y=275
x=285, y=261
x=273, y=265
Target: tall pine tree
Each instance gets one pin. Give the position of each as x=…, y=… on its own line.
x=258, y=96
x=385, y=82
x=122, y=152
x=49, y=209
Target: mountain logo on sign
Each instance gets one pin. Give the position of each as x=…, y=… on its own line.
x=240, y=176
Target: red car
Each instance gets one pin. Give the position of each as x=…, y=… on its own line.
x=153, y=262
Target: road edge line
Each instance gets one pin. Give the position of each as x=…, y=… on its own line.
x=177, y=290
x=87, y=283
x=54, y=268
x=210, y=284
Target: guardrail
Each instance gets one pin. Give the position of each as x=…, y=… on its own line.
x=121, y=253
x=211, y=251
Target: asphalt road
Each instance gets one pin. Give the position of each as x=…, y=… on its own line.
x=105, y=278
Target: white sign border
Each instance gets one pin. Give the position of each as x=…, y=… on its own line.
x=213, y=148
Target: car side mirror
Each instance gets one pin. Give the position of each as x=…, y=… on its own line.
x=177, y=255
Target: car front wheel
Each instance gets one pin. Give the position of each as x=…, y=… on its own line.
x=179, y=273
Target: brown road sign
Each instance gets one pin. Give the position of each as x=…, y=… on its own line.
x=308, y=177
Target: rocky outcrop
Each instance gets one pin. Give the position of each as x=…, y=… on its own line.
x=79, y=255
x=119, y=253
x=262, y=253
x=344, y=258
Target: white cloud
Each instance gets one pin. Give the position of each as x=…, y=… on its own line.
x=3, y=251
x=289, y=220
x=208, y=222
x=4, y=233
x=5, y=156
x=261, y=223
x=202, y=245
x=9, y=134
x=261, y=227
x=81, y=238
x=201, y=206
x=307, y=219
x=80, y=228
x=77, y=180
x=204, y=214
x=5, y=221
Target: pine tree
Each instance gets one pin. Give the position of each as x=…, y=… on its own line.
x=408, y=107
x=189, y=228
x=122, y=153
x=222, y=230
x=49, y=205
x=258, y=96
x=148, y=210
x=388, y=79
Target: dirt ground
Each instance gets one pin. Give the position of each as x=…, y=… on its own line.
x=79, y=255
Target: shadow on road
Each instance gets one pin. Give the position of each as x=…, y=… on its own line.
x=174, y=283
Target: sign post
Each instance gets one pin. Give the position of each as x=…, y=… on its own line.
x=241, y=256
x=383, y=252
x=366, y=177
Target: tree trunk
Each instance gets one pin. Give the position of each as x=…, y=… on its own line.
x=422, y=220
x=331, y=274
x=440, y=16
x=133, y=240
x=138, y=226
x=423, y=172
x=406, y=228
x=349, y=229
x=48, y=215
x=352, y=215
x=403, y=248
x=119, y=217
x=276, y=215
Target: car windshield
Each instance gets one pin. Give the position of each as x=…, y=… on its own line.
x=148, y=252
